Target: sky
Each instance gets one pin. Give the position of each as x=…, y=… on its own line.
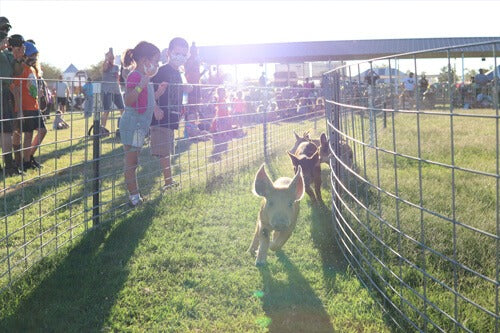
x=81, y=31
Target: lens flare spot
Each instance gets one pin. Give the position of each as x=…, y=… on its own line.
x=264, y=321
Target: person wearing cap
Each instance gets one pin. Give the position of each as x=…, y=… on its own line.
x=110, y=88
x=7, y=125
x=26, y=104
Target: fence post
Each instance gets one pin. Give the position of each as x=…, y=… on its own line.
x=95, y=165
x=264, y=123
x=371, y=92
x=332, y=94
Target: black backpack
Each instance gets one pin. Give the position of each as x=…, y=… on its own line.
x=43, y=98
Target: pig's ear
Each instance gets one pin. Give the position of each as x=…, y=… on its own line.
x=262, y=184
x=295, y=160
x=297, y=184
x=297, y=137
x=323, y=139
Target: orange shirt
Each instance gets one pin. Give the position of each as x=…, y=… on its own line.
x=26, y=90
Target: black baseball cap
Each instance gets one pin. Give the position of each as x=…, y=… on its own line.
x=16, y=40
x=4, y=23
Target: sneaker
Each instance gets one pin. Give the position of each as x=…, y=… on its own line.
x=11, y=168
x=26, y=166
x=135, y=199
x=12, y=171
x=34, y=163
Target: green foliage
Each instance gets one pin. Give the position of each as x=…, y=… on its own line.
x=95, y=71
x=444, y=77
x=50, y=72
x=470, y=73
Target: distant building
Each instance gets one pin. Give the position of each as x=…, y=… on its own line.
x=75, y=78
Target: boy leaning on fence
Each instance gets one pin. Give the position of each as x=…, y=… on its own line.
x=26, y=103
x=162, y=131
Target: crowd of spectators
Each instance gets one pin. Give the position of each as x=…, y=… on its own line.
x=21, y=114
x=154, y=101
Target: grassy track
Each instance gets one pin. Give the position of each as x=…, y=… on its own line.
x=179, y=264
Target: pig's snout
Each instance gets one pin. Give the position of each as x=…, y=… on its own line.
x=280, y=223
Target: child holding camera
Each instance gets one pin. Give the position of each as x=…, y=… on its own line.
x=140, y=105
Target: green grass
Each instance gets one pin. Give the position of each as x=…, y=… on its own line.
x=474, y=148
x=45, y=210
x=179, y=264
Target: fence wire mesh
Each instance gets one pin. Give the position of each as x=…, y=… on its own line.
x=80, y=183
x=415, y=186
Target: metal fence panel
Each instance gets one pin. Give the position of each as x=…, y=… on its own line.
x=81, y=185
x=415, y=188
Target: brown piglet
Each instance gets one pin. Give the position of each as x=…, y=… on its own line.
x=307, y=157
x=278, y=213
x=321, y=143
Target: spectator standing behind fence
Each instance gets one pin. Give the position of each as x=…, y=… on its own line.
x=221, y=126
x=62, y=94
x=7, y=124
x=88, y=93
x=481, y=81
x=162, y=130
x=409, y=88
x=126, y=66
x=26, y=98
x=140, y=105
x=110, y=89
x=193, y=75
x=409, y=85
x=239, y=108
x=423, y=84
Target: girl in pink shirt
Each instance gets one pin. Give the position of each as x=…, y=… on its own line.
x=140, y=105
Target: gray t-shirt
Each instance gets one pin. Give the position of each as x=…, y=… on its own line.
x=61, y=88
x=110, y=80
x=481, y=79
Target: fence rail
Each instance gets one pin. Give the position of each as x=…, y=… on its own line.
x=416, y=188
x=81, y=184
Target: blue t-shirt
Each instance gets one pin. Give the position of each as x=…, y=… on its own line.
x=88, y=89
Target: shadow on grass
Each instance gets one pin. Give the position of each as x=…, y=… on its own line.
x=323, y=237
x=291, y=304
x=181, y=146
x=78, y=294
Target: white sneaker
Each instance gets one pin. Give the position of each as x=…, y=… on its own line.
x=135, y=199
